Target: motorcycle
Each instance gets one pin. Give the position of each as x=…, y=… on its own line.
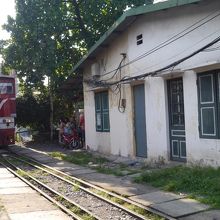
x=71, y=141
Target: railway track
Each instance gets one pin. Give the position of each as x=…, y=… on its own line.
x=76, y=197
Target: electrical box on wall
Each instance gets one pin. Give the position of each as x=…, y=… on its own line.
x=123, y=103
x=95, y=69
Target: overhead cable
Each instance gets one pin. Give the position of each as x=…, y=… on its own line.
x=171, y=40
x=154, y=73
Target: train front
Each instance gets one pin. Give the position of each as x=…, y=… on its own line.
x=7, y=110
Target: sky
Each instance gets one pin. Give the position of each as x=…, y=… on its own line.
x=7, y=7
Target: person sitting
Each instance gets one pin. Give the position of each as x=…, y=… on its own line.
x=68, y=129
x=82, y=128
x=73, y=123
x=61, y=129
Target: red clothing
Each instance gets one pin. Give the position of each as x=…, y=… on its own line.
x=82, y=122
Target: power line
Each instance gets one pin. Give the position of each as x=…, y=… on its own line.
x=212, y=49
x=154, y=73
x=100, y=82
x=171, y=40
x=191, y=46
x=159, y=47
x=119, y=67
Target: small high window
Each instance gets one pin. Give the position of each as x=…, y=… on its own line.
x=139, y=39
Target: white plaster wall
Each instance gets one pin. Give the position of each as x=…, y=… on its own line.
x=119, y=141
x=156, y=28
x=199, y=150
x=89, y=112
x=122, y=125
x=162, y=25
x=156, y=119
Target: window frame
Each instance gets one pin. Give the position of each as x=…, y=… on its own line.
x=4, y=86
x=101, y=110
x=213, y=104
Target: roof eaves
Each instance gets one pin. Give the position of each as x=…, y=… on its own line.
x=134, y=12
x=161, y=6
x=101, y=40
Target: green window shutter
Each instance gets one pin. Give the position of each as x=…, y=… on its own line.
x=105, y=112
x=207, y=105
x=218, y=101
x=98, y=112
x=102, y=111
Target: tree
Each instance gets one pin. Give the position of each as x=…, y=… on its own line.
x=49, y=37
x=94, y=17
x=40, y=110
x=42, y=46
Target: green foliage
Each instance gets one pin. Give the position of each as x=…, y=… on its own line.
x=201, y=183
x=48, y=38
x=41, y=44
x=96, y=16
x=32, y=111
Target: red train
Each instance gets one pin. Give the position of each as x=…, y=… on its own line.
x=7, y=110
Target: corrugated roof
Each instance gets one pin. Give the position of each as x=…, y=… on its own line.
x=127, y=18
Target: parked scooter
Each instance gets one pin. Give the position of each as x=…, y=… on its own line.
x=71, y=141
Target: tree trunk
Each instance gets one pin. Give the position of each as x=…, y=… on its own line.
x=51, y=108
x=87, y=35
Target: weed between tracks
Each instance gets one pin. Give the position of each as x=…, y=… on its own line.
x=21, y=173
x=131, y=207
x=76, y=210
x=200, y=183
x=14, y=161
x=76, y=188
x=85, y=216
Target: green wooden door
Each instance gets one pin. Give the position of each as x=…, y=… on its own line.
x=176, y=119
x=140, y=121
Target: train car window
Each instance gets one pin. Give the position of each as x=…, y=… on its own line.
x=6, y=88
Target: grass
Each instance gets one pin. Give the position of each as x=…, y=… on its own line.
x=84, y=158
x=76, y=188
x=21, y=173
x=80, y=158
x=200, y=183
x=76, y=210
x=120, y=170
x=109, y=171
x=14, y=161
x=129, y=206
